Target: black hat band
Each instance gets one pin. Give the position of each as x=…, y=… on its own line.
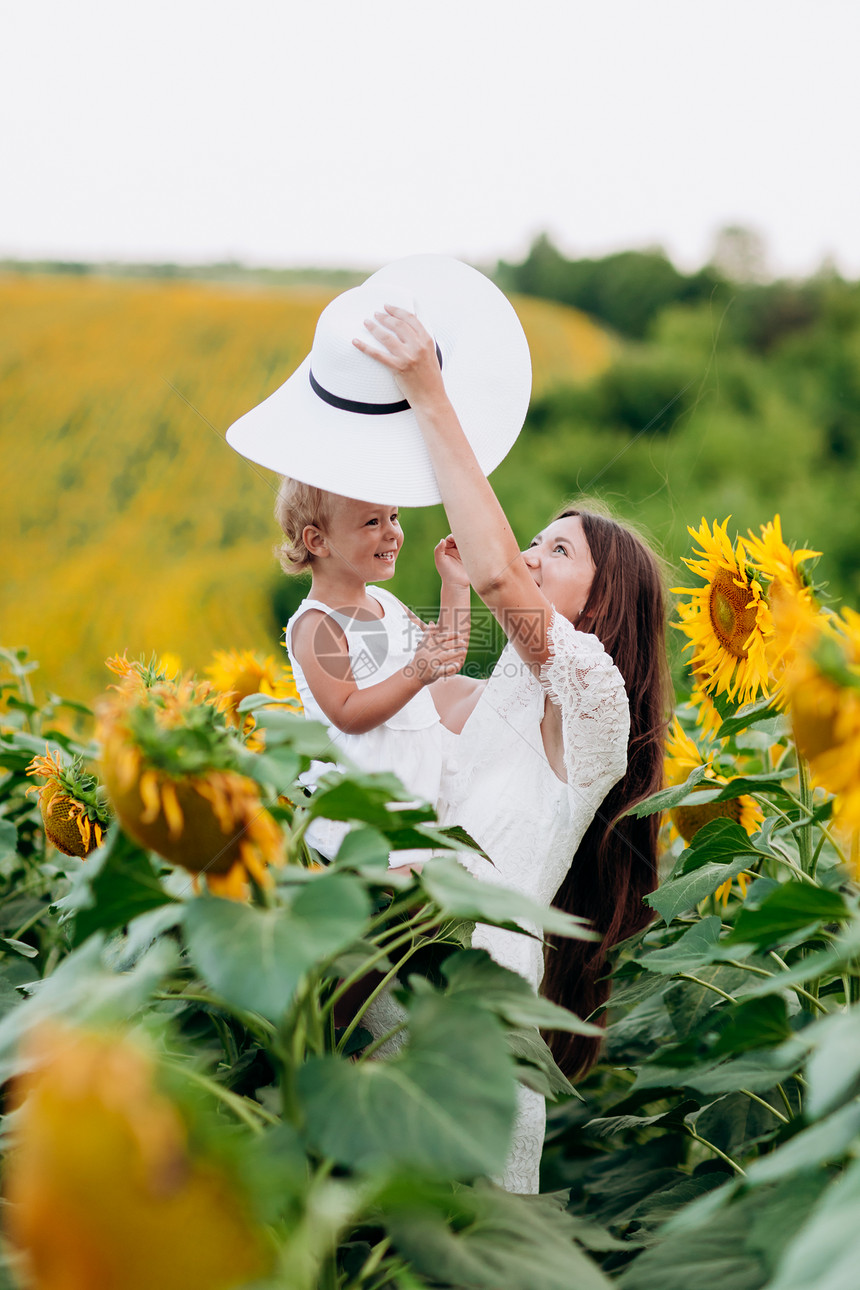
x=355, y=405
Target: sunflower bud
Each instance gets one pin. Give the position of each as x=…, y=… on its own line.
x=73, y=810
x=168, y=764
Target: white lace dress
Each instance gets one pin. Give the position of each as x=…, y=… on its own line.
x=498, y=784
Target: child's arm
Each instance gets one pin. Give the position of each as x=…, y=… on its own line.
x=321, y=650
x=455, y=612
x=454, y=696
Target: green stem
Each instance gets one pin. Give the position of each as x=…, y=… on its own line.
x=25, y=927
x=298, y=833
x=382, y=953
x=24, y=686
x=716, y=1150
x=374, y=1258
x=797, y=870
x=755, y=1098
x=386, y=980
x=785, y=1099
x=804, y=835
x=398, y=907
x=777, y=853
x=747, y=967
x=383, y=1039
x=225, y=1034
x=688, y=976
x=808, y=811
x=328, y=1278
x=390, y=1276
x=293, y=1050
x=242, y=1107
x=798, y=989
x=314, y=1020
x=252, y=1021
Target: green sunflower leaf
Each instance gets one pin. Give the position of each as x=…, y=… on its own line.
x=254, y=958
x=789, y=908
x=750, y=714
x=668, y=798
x=451, y=1093
x=460, y=894
x=472, y=973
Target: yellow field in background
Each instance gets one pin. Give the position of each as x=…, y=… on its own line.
x=127, y=523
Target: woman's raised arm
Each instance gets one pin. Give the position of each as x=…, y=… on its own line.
x=484, y=538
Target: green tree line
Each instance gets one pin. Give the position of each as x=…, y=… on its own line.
x=726, y=396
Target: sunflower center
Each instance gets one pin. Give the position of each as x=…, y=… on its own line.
x=689, y=819
x=732, y=617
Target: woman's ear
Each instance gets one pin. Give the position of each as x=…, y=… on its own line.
x=315, y=542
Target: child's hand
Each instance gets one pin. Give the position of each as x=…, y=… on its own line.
x=449, y=564
x=409, y=350
x=438, y=654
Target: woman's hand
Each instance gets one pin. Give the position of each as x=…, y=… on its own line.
x=438, y=654
x=408, y=350
x=449, y=564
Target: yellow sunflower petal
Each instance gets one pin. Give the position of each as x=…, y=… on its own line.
x=232, y=885
x=150, y=796
x=172, y=809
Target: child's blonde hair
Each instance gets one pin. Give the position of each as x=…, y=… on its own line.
x=296, y=506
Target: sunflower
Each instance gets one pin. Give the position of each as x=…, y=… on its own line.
x=708, y=717
x=789, y=592
x=822, y=683
x=74, y=811
x=137, y=671
x=106, y=1186
x=683, y=757
x=772, y=557
x=170, y=765
x=239, y=673
x=727, y=620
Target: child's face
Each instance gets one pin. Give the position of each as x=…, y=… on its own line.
x=364, y=536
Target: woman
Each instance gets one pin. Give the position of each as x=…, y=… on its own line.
x=568, y=732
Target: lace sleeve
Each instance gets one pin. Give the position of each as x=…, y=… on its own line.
x=581, y=679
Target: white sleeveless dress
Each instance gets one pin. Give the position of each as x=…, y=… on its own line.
x=498, y=784
x=409, y=744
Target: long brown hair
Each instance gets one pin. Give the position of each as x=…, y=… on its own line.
x=615, y=865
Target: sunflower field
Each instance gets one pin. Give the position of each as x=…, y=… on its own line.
x=131, y=519
x=193, y=1093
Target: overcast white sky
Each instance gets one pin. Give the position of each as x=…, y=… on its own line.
x=355, y=131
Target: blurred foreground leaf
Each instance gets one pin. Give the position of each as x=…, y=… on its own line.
x=83, y=990
x=117, y=883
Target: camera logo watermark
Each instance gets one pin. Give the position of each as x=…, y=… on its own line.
x=374, y=654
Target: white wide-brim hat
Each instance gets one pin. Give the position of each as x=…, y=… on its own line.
x=341, y=423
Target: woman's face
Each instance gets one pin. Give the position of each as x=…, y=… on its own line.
x=560, y=562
